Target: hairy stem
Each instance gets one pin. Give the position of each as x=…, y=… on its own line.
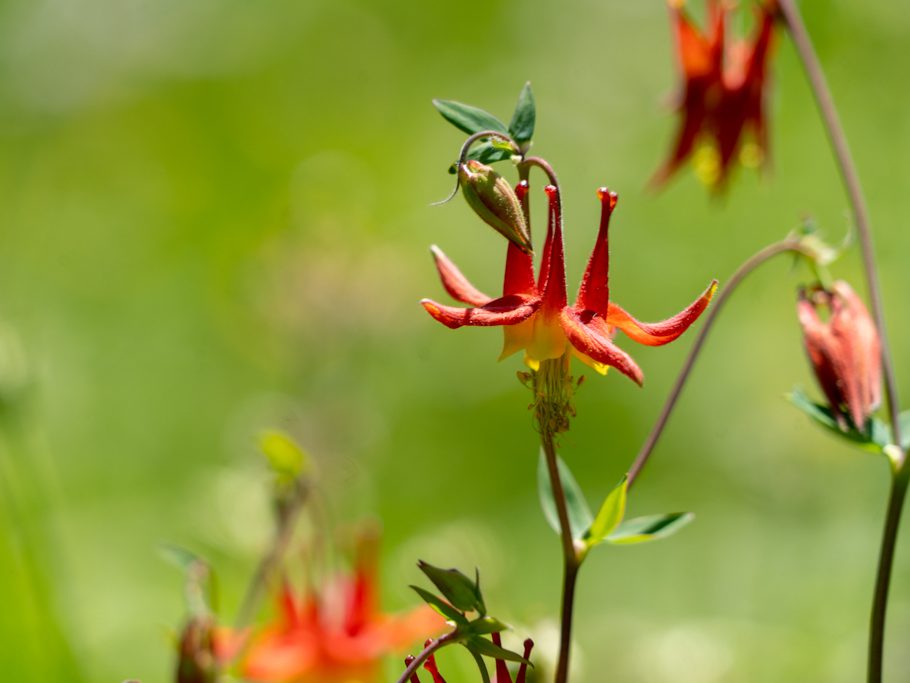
x=753, y=262
x=552, y=414
x=847, y=167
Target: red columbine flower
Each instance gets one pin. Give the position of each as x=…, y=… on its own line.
x=536, y=315
x=723, y=91
x=844, y=351
x=335, y=634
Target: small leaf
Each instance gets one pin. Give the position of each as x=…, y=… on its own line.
x=482, y=646
x=580, y=517
x=440, y=605
x=457, y=588
x=874, y=438
x=486, y=153
x=609, y=516
x=286, y=458
x=522, y=124
x=485, y=625
x=467, y=118
x=649, y=528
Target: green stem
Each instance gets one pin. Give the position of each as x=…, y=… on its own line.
x=717, y=306
x=550, y=383
x=896, y=499
x=850, y=176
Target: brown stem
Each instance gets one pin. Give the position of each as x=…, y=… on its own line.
x=431, y=647
x=736, y=279
x=849, y=174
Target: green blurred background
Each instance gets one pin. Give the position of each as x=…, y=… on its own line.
x=214, y=218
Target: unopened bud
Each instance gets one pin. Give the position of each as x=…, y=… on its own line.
x=197, y=663
x=493, y=199
x=844, y=350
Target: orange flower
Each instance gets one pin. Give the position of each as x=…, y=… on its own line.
x=336, y=634
x=536, y=315
x=844, y=351
x=722, y=97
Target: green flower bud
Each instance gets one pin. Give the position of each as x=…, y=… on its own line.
x=493, y=199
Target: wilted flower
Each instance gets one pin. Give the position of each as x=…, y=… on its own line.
x=336, y=633
x=722, y=96
x=536, y=315
x=844, y=351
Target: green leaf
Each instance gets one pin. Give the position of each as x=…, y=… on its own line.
x=873, y=438
x=285, y=457
x=649, y=528
x=609, y=516
x=522, y=124
x=467, y=118
x=440, y=605
x=482, y=646
x=486, y=153
x=483, y=625
x=457, y=588
x=580, y=517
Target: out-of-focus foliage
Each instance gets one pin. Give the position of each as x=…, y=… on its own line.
x=214, y=217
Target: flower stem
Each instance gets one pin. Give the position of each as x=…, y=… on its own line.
x=432, y=646
x=753, y=262
x=850, y=177
x=847, y=167
x=284, y=532
x=552, y=413
x=896, y=499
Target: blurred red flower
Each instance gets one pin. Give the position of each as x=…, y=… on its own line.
x=334, y=634
x=723, y=91
x=844, y=350
x=536, y=315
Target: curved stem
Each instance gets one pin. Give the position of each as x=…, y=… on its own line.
x=463, y=154
x=736, y=279
x=883, y=578
x=850, y=177
x=432, y=647
x=543, y=165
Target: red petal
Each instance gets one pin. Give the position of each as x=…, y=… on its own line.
x=594, y=293
x=523, y=669
x=693, y=49
x=826, y=356
x=657, y=334
x=598, y=347
x=507, y=310
x=456, y=284
x=553, y=266
x=502, y=671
